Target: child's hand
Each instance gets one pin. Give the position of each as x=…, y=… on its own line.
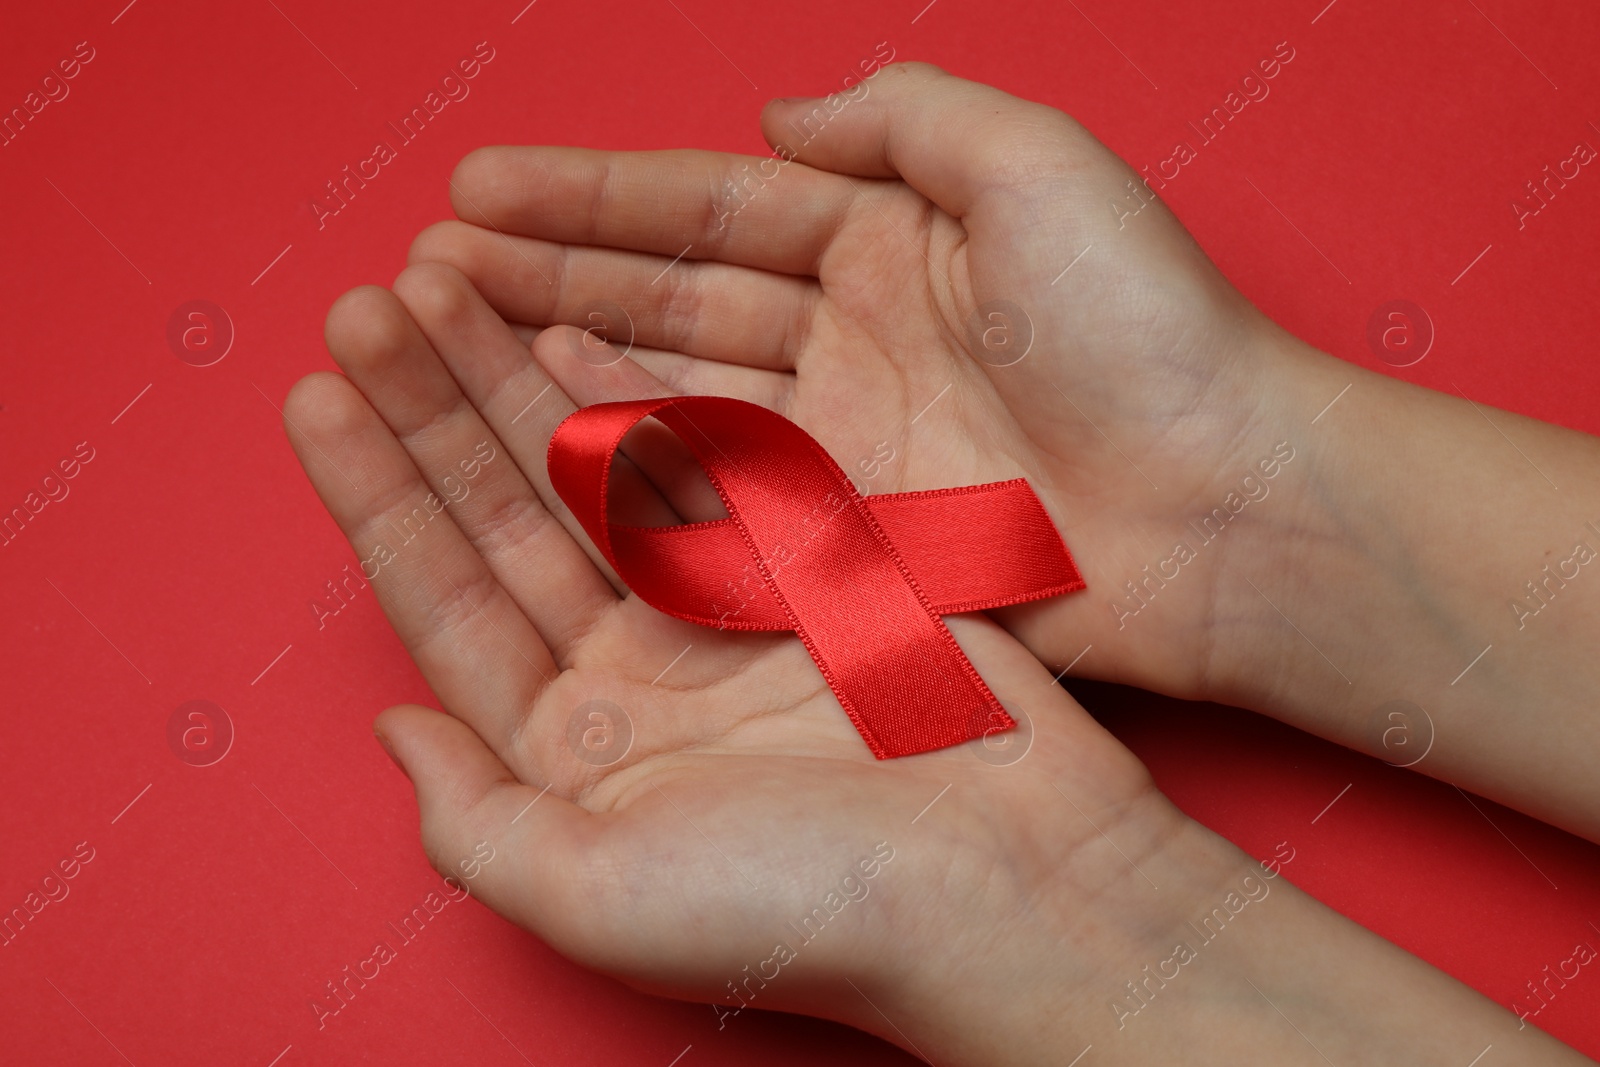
x=746, y=799
x=850, y=304
x=983, y=904
x=1021, y=907
x=1153, y=408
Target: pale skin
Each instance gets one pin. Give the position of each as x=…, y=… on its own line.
x=840, y=292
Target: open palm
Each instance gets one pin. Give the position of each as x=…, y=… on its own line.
x=744, y=798
x=946, y=286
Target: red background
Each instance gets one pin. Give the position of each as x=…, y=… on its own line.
x=185, y=159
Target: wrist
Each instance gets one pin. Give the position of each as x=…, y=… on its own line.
x=1288, y=552
x=1034, y=974
x=1225, y=962
x=1377, y=604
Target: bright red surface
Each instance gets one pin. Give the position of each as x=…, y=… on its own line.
x=186, y=158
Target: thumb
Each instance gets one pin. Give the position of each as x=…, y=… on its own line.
x=522, y=850
x=948, y=138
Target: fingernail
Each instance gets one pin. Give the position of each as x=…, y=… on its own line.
x=389, y=751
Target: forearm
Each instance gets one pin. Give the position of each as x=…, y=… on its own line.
x=1429, y=551
x=1225, y=963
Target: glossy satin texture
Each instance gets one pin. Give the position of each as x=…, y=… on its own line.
x=863, y=581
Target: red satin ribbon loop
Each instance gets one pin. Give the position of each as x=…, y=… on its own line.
x=863, y=581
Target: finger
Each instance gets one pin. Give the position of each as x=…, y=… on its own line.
x=712, y=310
x=375, y=338
x=948, y=138
x=519, y=848
x=686, y=375
x=633, y=372
x=441, y=598
x=750, y=210
x=658, y=452
x=677, y=374
x=520, y=403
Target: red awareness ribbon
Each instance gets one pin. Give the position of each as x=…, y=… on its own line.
x=862, y=580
